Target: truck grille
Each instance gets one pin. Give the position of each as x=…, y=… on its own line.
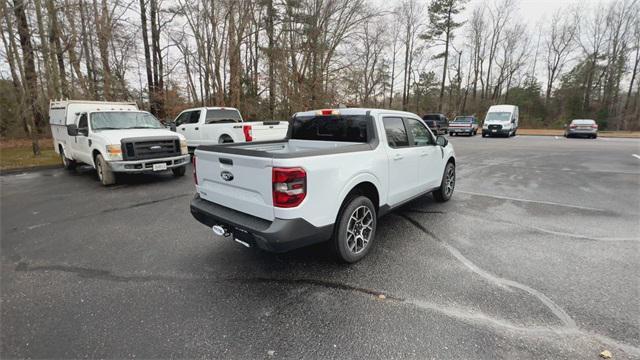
x=149, y=148
x=495, y=127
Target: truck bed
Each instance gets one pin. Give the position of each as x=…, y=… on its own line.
x=288, y=148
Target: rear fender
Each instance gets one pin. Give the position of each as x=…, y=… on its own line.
x=360, y=178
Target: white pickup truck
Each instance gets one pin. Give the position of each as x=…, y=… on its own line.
x=114, y=137
x=330, y=179
x=219, y=125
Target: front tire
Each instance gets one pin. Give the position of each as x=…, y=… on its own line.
x=445, y=191
x=105, y=175
x=179, y=171
x=355, y=230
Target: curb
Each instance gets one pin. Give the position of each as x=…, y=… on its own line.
x=28, y=169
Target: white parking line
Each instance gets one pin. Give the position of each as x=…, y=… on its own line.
x=532, y=201
x=636, y=156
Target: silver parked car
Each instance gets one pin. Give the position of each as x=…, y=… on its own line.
x=467, y=125
x=582, y=128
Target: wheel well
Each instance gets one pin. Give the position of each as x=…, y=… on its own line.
x=452, y=160
x=94, y=154
x=60, y=149
x=225, y=136
x=366, y=189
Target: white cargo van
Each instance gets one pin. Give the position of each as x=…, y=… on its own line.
x=501, y=120
x=114, y=137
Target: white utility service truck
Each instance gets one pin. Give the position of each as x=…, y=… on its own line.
x=221, y=125
x=114, y=137
x=331, y=178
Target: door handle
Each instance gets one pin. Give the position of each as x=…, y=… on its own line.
x=398, y=157
x=183, y=129
x=197, y=128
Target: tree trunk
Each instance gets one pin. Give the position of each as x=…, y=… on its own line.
x=270, y=58
x=57, y=47
x=147, y=58
x=31, y=85
x=104, y=34
x=446, y=59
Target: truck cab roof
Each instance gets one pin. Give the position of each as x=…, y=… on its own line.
x=355, y=111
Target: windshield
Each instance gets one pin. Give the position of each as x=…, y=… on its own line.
x=463, y=119
x=123, y=120
x=222, y=116
x=347, y=128
x=499, y=116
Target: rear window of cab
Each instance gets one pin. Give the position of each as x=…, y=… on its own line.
x=344, y=128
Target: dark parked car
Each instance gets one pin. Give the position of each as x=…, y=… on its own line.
x=438, y=123
x=583, y=128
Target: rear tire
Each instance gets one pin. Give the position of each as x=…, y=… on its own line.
x=179, y=171
x=105, y=175
x=66, y=162
x=225, y=139
x=445, y=191
x=355, y=229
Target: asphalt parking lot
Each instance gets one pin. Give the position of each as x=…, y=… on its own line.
x=536, y=256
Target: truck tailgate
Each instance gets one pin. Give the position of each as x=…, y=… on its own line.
x=242, y=183
x=269, y=130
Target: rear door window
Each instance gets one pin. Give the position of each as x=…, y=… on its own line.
x=396, y=132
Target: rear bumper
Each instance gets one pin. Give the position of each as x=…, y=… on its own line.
x=138, y=166
x=585, y=132
x=461, y=130
x=279, y=235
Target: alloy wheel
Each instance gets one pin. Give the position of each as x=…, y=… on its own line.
x=359, y=229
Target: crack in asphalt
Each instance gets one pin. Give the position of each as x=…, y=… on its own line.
x=101, y=274
x=539, y=202
x=502, y=282
x=531, y=227
x=462, y=314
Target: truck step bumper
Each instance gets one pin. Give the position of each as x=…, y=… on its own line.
x=279, y=235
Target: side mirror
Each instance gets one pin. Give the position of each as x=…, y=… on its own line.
x=172, y=126
x=442, y=141
x=72, y=130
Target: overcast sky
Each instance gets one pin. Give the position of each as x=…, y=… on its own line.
x=534, y=11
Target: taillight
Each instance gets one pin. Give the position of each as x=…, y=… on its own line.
x=289, y=187
x=248, y=132
x=572, y=126
x=195, y=174
x=594, y=126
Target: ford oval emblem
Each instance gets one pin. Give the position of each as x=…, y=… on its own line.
x=226, y=176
